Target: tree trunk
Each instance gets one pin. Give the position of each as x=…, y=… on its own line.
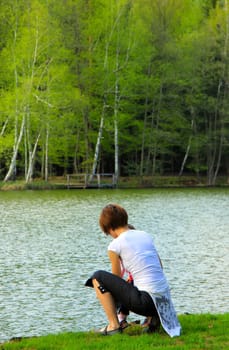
x=141, y=171
x=87, y=147
x=4, y=127
x=16, y=147
x=116, y=141
x=31, y=160
x=144, y=125
x=213, y=139
x=12, y=171
x=187, y=150
x=98, y=143
x=76, y=151
x=216, y=154
x=155, y=142
x=18, y=138
x=225, y=54
x=47, y=154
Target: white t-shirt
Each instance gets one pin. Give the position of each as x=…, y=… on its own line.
x=139, y=257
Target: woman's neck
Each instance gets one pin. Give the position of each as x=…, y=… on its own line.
x=118, y=231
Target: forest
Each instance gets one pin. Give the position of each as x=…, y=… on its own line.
x=129, y=87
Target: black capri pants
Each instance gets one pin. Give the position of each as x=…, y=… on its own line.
x=139, y=302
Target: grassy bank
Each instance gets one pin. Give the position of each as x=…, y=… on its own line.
x=199, y=332
x=124, y=182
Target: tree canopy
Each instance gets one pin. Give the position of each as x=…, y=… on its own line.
x=131, y=87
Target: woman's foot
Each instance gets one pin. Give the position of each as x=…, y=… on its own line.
x=109, y=331
x=151, y=324
x=124, y=324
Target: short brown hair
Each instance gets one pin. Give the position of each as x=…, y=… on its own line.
x=112, y=217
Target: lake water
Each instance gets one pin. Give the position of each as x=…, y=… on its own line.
x=50, y=242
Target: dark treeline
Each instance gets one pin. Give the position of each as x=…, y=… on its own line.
x=131, y=87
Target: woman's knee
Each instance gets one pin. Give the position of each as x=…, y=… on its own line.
x=98, y=275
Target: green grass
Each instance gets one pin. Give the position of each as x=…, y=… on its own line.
x=199, y=332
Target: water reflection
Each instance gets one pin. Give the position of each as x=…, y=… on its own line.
x=50, y=242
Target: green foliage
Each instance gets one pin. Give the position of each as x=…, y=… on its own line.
x=156, y=71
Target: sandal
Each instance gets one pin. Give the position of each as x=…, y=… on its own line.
x=104, y=331
x=124, y=324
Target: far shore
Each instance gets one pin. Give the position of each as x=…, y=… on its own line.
x=123, y=183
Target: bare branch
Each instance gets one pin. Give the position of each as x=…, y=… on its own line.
x=43, y=101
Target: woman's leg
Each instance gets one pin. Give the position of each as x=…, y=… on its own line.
x=123, y=312
x=121, y=291
x=108, y=304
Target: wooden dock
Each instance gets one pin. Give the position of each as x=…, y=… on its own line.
x=104, y=180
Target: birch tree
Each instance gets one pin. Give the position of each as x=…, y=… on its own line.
x=115, y=52
x=36, y=50
x=215, y=83
x=121, y=30
x=15, y=14
x=223, y=91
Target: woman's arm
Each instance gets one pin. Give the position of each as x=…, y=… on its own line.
x=115, y=263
